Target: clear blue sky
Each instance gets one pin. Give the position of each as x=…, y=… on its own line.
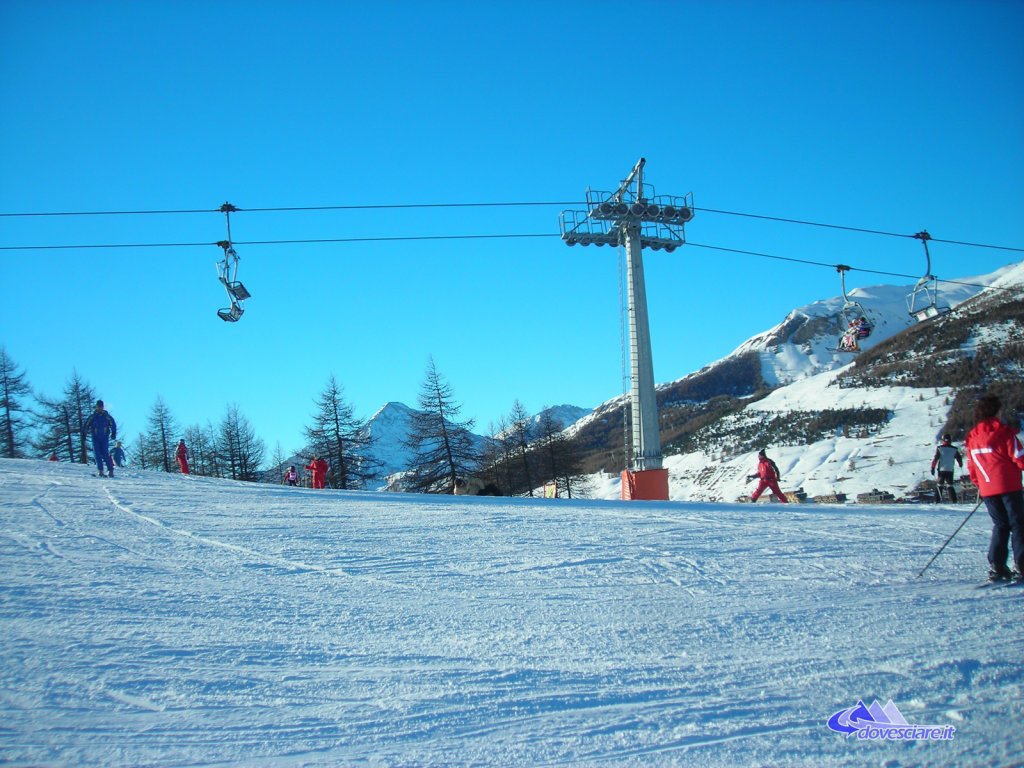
x=894, y=116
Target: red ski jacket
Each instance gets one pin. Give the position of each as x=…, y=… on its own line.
x=767, y=470
x=995, y=458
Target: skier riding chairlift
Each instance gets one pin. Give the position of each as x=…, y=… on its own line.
x=854, y=315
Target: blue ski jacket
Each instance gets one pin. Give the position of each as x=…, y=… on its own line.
x=101, y=426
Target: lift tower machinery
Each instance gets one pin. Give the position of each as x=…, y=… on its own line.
x=635, y=218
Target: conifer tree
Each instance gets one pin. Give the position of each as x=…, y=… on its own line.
x=160, y=438
x=443, y=447
x=520, y=437
x=202, y=451
x=138, y=453
x=341, y=439
x=239, y=451
x=560, y=457
x=14, y=414
x=55, y=432
x=61, y=421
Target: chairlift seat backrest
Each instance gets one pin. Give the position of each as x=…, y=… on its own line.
x=230, y=314
x=238, y=290
x=929, y=312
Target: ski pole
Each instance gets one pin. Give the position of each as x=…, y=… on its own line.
x=951, y=537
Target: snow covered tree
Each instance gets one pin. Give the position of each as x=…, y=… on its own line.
x=443, y=447
x=239, y=451
x=341, y=438
x=13, y=412
x=161, y=439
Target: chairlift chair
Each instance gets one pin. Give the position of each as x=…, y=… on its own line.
x=227, y=273
x=230, y=314
x=855, y=318
x=237, y=290
x=923, y=301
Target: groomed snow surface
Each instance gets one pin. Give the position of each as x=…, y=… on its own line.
x=156, y=619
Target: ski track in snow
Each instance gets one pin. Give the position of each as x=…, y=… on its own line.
x=154, y=620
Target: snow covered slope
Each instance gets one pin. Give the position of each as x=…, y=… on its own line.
x=895, y=458
x=158, y=619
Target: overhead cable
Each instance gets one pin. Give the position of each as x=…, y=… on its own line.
x=289, y=209
x=835, y=266
x=276, y=242
x=854, y=229
x=411, y=206
x=409, y=238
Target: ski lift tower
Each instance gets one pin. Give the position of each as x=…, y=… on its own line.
x=635, y=218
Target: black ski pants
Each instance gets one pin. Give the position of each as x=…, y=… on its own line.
x=1007, y=513
x=945, y=480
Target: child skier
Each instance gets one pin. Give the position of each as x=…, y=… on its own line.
x=117, y=454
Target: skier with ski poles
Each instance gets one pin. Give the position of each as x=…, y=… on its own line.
x=995, y=459
x=945, y=456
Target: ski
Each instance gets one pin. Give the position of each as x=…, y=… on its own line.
x=1015, y=581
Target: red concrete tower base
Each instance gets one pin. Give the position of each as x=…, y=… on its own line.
x=646, y=485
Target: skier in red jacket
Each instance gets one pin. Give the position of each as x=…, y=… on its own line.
x=318, y=469
x=768, y=471
x=182, y=456
x=995, y=458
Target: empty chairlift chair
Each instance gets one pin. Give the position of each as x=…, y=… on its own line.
x=923, y=302
x=227, y=270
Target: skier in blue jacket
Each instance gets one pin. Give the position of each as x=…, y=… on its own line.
x=101, y=427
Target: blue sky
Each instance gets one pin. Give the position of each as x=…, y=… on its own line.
x=892, y=116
